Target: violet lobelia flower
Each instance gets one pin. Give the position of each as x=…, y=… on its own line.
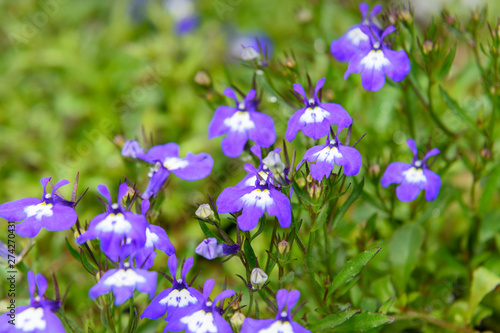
x=123, y=281
x=315, y=119
x=377, y=61
x=332, y=153
x=37, y=317
x=254, y=200
x=210, y=248
x=241, y=123
x=184, y=14
x=50, y=212
x=413, y=177
x=165, y=159
x=283, y=321
x=355, y=39
x=132, y=148
x=179, y=297
x=116, y=225
x=206, y=317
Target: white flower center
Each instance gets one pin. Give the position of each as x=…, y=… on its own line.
x=31, y=319
x=124, y=278
x=151, y=238
x=179, y=298
x=357, y=36
x=172, y=163
x=375, y=60
x=414, y=175
x=314, y=115
x=278, y=327
x=200, y=322
x=239, y=122
x=258, y=198
x=328, y=154
x=114, y=223
x=39, y=211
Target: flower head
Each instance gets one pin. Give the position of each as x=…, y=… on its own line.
x=250, y=47
x=283, y=321
x=210, y=249
x=123, y=281
x=241, y=123
x=332, y=153
x=131, y=148
x=315, y=119
x=377, y=60
x=184, y=13
x=180, y=296
x=204, y=318
x=413, y=177
x=51, y=212
x=37, y=317
x=116, y=225
x=355, y=39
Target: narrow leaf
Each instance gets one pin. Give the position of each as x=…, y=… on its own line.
x=332, y=320
x=363, y=321
x=358, y=189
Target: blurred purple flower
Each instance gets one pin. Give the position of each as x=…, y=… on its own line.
x=51, y=212
x=315, y=119
x=241, y=123
x=210, y=248
x=131, y=148
x=184, y=14
x=283, y=321
x=413, y=177
x=250, y=47
x=205, y=317
x=38, y=316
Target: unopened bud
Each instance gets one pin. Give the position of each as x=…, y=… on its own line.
x=290, y=62
x=209, y=249
x=237, y=321
x=301, y=182
x=485, y=153
x=249, y=53
x=304, y=15
x=203, y=79
x=258, y=278
x=374, y=170
x=131, y=148
x=405, y=16
x=283, y=247
x=427, y=47
x=315, y=191
x=204, y=211
x=274, y=164
x=449, y=19
x=119, y=140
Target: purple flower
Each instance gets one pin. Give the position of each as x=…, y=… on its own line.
x=377, y=60
x=315, y=119
x=51, y=212
x=205, y=317
x=37, y=317
x=184, y=14
x=115, y=225
x=210, y=249
x=413, y=177
x=355, y=39
x=249, y=47
x=254, y=200
x=330, y=154
x=283, y=321
x=132, y=148
x=165, y=159
x=179, y=297
x=123, y=281
x=241, y=123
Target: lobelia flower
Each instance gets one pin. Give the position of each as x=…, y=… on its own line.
x=206, y=317
x=254, y=200
x=131, y=148
x=315, y=119
x=179, y=297
x=377, y=61
x=355, y=39
x=210, y=249
x=241, y=123
x=156, y=238
x=269, y=167
x=332, y=153
x=50, y=212
x=283, y=321
x=123, y=281
x=165, y=159
x=413, y=177
x=184, y=14
x=115, y=225
x=250, y=47
x=37, y=317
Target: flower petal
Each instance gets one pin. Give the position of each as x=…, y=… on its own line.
x=250, y=217
x=217, y=125
x=294, y=125
x=198, y=167
x=281, y=208
x=408, y=191
x=234, y=143
x=432, y=185
x=350, y=160
x=394, y=173
x=263, y=133
x=399, y=66
x=229, y=199
x=338, y=115
x=14, y=210
x=156, y=182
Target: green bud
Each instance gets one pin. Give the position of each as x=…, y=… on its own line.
x=205, y=212
x=258, y=278
x=236, y=321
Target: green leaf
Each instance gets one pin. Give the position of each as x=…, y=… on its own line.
x=386, y=306
x=320, y=219
x=489, y=191
x=448, y=61
x=364, y=321
x=358, y=189
x=262, y=225
x=251, y=258
x=318, y=291
x=455, y=107
x=403, y=253
x=483, y=282
x=489, y=226
x=288, y=278
x=85, y=262
x=208, y=233
x=74, y=253
x=352, y=268
x=332, y=320
x=303, y=195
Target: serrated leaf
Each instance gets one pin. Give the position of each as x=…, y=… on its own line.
x=332, y=320
x=403, y=250
x=352, y=268
x=363, y=321
x=483, y=282
x=358, y=189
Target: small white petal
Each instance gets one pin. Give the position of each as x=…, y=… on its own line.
x=39, y=211
x=278, y=327
x=30, y=320
x=328, y=154
x=179, y=298
x=200, y=322
x=240, y=122
x=258, y=198
x=173, y=163
x=124, y=278
x=357, y=36
x=114, y=223
x=414, y=175
x=375, y=60
x=151, y=238
x=314, y=115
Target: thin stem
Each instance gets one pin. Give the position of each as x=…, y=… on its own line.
x=434, y=321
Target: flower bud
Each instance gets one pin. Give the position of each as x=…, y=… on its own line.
x=485, y=153
x=405, y=16
x=131, y=148
x=258, y=278
x=427, y=47
x=304, y=15
x=204, y=211
x=237, y=321
x=209, y=249
x=374, y=170
x=283, y=247
x=315, y=191
x=290, y=62
x=203, y=79
x=274, y=164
